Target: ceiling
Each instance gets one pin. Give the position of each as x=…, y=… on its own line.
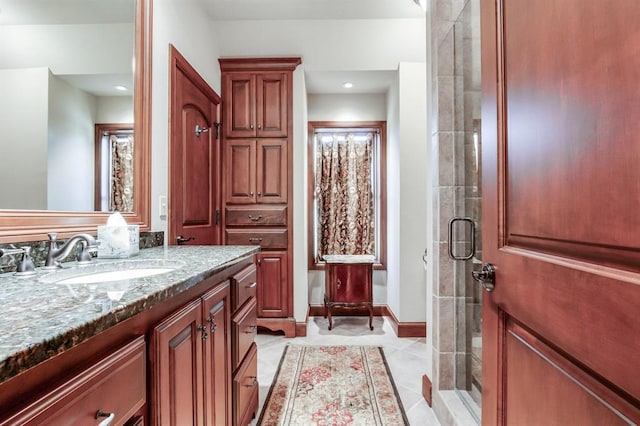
x=325, y=81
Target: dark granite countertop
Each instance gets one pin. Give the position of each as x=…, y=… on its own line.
x=41, y=317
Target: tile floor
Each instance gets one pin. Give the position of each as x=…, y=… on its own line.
x=406, y=357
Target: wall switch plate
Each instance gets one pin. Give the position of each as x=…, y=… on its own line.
x=162, y=207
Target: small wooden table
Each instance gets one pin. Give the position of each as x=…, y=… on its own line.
x=348, y=284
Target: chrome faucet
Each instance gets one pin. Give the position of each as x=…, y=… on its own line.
x=89, y=244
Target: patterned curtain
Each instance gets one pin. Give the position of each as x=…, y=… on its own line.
x=121, y=173
x=344, y=194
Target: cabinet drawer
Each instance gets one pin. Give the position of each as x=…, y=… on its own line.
x=256, y=216
x=116, y=384
x=244, y=331
x=245, y=388
x=266, y=238
x=244, y=287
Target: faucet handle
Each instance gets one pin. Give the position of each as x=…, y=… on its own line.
x=53, y=236
x=26, y=265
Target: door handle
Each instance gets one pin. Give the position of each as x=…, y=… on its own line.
x=473, y=238
x=486, y=276
x=181, y=240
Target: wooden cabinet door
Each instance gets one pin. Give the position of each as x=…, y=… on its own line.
x=240, y=169
x=560, y=155
x=272, y=285
x=177, y=385
x=240, y=105
x=271, y=105
x=217, y=355
x=350, y=283
x=271, y=171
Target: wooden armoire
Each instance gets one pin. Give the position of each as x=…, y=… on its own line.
x=257, y=133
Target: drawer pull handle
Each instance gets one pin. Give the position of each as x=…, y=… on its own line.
x=251, y=329
x=255, y=239
x=108, y=420
x=253, y=383
x=252, y=285
x=255, y=218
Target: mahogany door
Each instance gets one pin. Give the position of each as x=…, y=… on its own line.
x=194, y=160
x=176, y=350
x=273, y=297
x=271, y=174
x=217, y=356
x=561, y=203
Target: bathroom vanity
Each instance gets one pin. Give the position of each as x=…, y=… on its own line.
x=153, y=348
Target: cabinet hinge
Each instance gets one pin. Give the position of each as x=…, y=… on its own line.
x=217, y=217
x=217, y=127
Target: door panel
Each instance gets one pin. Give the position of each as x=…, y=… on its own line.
x=272, y=105
x=272, y=288
x=239, y=123
x=195, y=156
x=560, y=203
x=240, y=164
x=272, y=171
x=177, y=349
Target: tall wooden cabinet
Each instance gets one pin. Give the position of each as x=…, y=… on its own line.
x=257, y=176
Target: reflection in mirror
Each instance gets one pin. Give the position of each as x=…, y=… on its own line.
x=61, y=72
x=114, y=167
x=66, y=66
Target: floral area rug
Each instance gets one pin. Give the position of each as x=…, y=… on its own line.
x=333, y=386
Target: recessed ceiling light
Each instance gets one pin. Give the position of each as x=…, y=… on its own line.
x=121, y=88
x=347, y=85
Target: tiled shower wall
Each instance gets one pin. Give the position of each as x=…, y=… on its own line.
x=455, y=81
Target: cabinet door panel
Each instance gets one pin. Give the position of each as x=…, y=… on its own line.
x=217, y=359
x=239, y=92
x=351, y=283
x=272, y=285
x=272, y=171
x=240, y=166
x=272, y=105
x=177, y=355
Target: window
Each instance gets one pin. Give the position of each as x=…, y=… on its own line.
x=347, y=201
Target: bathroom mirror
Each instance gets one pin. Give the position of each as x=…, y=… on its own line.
x=114, y=48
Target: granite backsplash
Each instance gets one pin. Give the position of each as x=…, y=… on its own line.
x=8, y=263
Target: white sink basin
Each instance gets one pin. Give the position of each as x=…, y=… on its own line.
x=112, y=271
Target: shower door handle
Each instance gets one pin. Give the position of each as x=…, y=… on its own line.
x=472, y=252
x=486, y=276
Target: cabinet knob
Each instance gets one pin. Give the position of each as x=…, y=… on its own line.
x=254, y=381
x=259, y=126
x=214, y=326
x=252, y=285
x=251, y=193
x=203, y=330
x=251, y=126
x=339, y=283
x=259, y=194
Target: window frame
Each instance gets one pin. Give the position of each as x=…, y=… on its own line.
x=381, y=231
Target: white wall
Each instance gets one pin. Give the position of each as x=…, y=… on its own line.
x=414, y=173
x=23, y=120
x=355, y=107
x=184, y=24
x=69, y=49
x=114, y=109
x=356, y=44
x=300, y=194
x=407, y=192
x=71, y=147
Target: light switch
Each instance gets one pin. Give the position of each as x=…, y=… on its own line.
x=163, y=207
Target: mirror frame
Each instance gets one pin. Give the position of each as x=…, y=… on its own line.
x=33, y=225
